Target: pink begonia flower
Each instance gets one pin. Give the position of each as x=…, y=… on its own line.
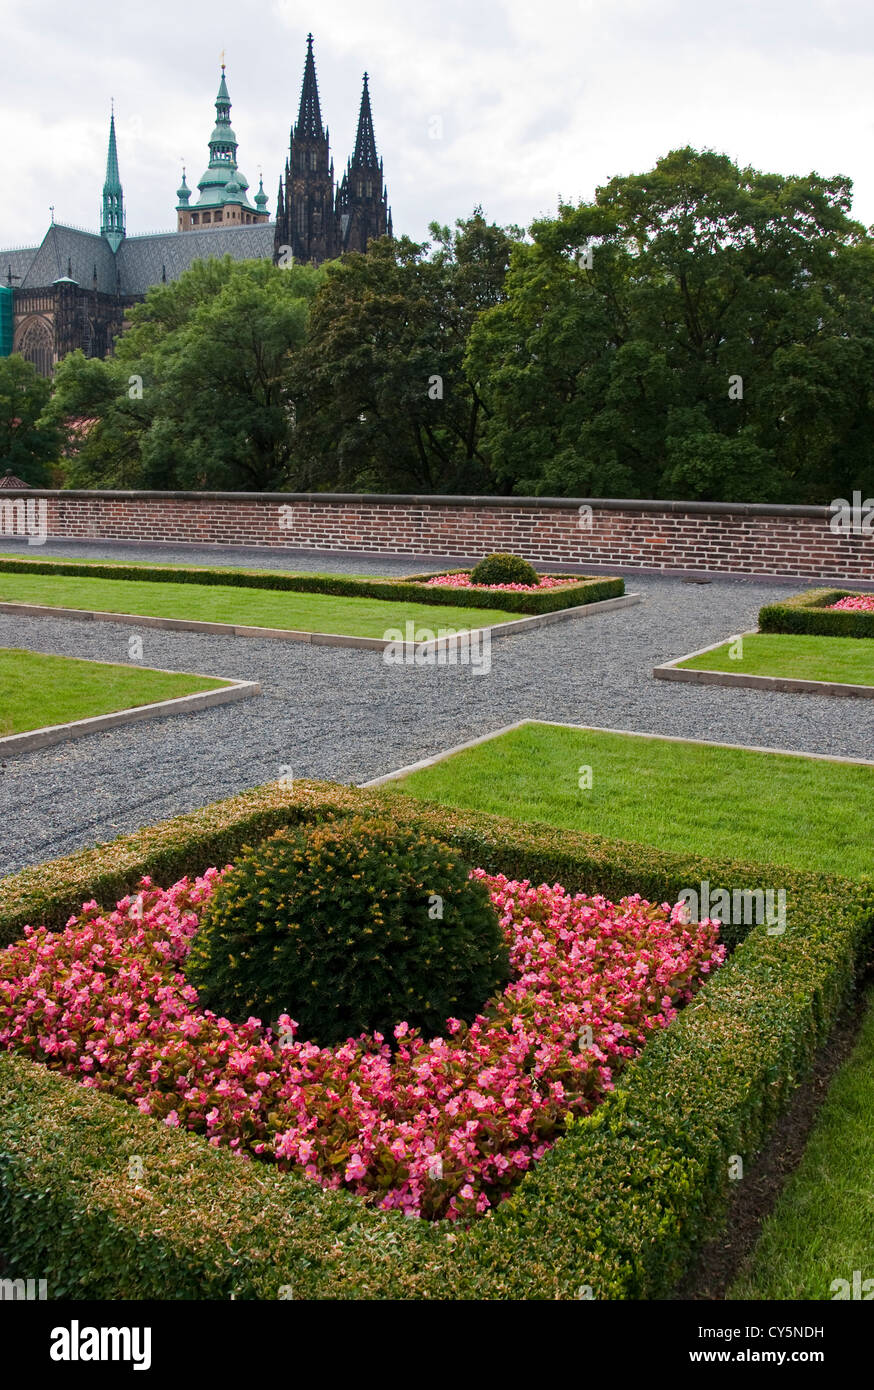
x=438, y=1128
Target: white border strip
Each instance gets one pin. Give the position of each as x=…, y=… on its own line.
x=403, y=772
x=227, y=694
x=323, y=639
x=783, y=685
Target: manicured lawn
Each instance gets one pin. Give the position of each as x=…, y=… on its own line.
x=355, y=617
x=822, y=1228
x=843, y=659
x=38, y=690
x=686, y=797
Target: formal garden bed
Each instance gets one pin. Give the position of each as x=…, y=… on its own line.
x=786, y=662
x=616, y=1204
x=47, y=699
x=804, y=645
x=500, y=603
x=821, y=612
x=401, y=619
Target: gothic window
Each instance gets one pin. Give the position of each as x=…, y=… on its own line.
x=301, y=219
x=35, y=345
x=312, y=159
x=369, y=188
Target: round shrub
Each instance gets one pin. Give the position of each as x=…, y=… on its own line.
x=349, y=926
x=503, y=568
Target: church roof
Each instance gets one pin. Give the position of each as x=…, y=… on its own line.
x=143, y=260
x=14, y=265
x=140, y=262
x=64, y=247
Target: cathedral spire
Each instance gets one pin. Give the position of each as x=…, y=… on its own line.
x=112, y=218
x=309, y=117
x=365, y=141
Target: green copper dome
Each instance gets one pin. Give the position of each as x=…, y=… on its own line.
x=222, y=182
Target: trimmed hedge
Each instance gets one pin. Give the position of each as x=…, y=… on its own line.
x=808, y=613
x=579, y=591
x=621, y=1203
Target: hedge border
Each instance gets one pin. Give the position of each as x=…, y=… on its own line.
x=586, y=589
x=622, y=1202
x=804, y=614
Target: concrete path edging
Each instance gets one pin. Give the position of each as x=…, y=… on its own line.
x=326, y=639
x=783, y=685
x=159, y=709
x=400, y=773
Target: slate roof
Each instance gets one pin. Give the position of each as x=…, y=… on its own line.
x=140, y=258
x=139, y=261
x=17, y=263
x=63, y=246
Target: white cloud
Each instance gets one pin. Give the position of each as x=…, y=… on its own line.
x=534, y=100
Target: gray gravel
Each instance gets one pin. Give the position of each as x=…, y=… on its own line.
x=344, y=715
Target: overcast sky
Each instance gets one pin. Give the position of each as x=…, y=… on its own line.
x=507, y=103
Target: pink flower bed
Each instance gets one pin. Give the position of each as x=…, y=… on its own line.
x=860, y=603
x=439, y=1128
x=462, y=581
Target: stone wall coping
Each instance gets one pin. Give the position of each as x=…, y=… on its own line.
x=414, y=500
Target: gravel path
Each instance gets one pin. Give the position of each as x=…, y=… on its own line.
x=345, y=715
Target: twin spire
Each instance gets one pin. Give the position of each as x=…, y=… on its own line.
x=358, y=208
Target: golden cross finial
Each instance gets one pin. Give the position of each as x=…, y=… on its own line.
x=223, y=60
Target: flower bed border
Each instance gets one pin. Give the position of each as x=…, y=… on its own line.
x=50, y=734
x=583, y=590
x=809, y=614
x=620, y=1204
x=783, y=685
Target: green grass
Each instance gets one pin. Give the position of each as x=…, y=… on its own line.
x=38, y=690
x=842, y=659
x=354, y=617
x=822, y=1228
x=684, y=797
x=149, y=565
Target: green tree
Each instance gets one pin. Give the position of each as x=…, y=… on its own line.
x=200, y=393
x=385, y=399
x=28, y=442
x=697, y=331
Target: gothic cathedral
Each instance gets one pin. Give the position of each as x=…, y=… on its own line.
x=315, y=219
x=73, y=290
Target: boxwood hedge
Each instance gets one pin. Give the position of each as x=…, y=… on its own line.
x=810, y=613
x=580, y=590
x=619, y=1206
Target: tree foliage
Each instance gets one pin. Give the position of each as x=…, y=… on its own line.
x=699, y=331
x=27, y=443
x=200, y=392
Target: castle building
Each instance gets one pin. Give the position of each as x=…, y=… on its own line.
x=75, y=288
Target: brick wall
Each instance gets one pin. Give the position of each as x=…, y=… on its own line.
x=720, y=537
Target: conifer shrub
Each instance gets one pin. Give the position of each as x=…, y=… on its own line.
x=349, y=926
x=503, y=568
